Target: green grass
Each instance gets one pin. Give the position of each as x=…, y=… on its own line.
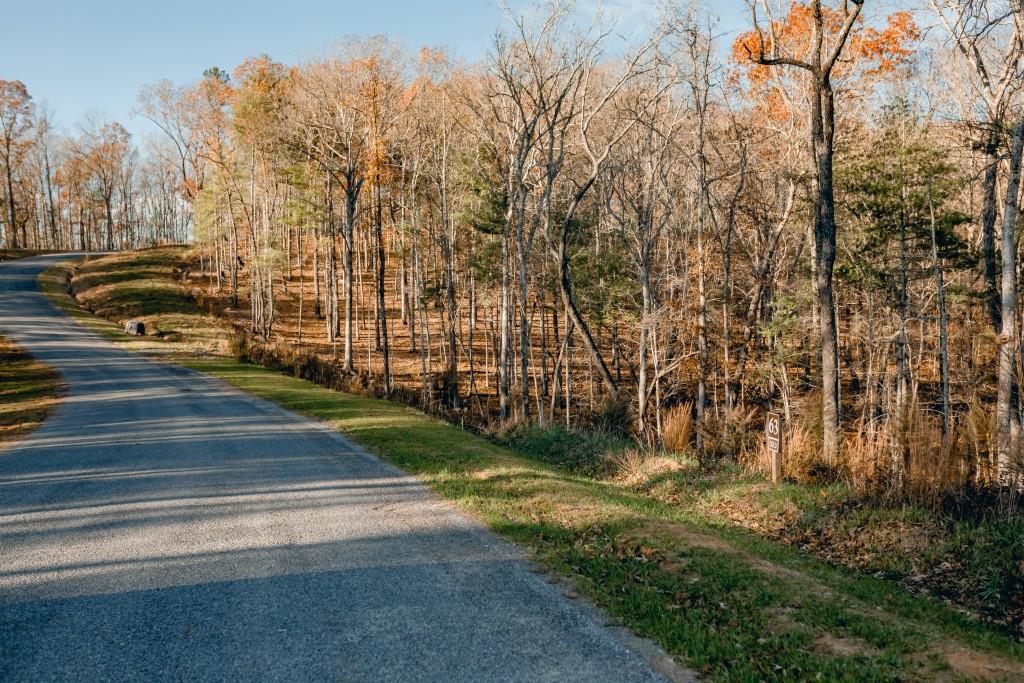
x=717, y=603
x=969, y=555
x=29, y=390
x=734, y=605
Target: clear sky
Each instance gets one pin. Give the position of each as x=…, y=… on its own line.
x=92, y=56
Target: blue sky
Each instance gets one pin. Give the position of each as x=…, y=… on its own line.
x=91, y=57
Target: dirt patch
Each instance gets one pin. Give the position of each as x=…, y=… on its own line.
x=843, y=647
x=788, y=574
x=781, y=619
x=682, y=534
x=644, y=470
x=983, y=666
x=565, y=508
x=689, y=537
x=578, y=514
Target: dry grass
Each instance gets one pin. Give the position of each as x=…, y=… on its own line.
x=143, y=286
x=801, y=447
x=637, y=467
x=29, y=391
x=801, y=454
x=677, y=425
x=907, y=456
x=730, y=433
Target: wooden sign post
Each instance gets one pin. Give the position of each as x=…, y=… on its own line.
x=773, y=442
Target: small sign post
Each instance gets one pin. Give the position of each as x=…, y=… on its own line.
x=773, y=441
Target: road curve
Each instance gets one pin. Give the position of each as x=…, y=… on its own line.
x=163, y=526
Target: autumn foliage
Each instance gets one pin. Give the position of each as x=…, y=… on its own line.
x=629, y=236
x=872, y=53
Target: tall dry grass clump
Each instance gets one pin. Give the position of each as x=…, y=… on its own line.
x=907, y=456
x=800, y=452
x=677, y=428
x=899, y=457
x=977, y=428
x=642, y=467
x=801, y=449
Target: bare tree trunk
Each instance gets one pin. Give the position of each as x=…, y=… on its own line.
x=12, y=216
x=825, y=253
x=1006, y=422
x=317, y=312
x=418, y=310
x=569, y=300
x=331, y=270
x=569, y=329
x=642, y=390
x=51, y=204
x=524, y=327
x=382, y=316
x=819, y=69
x=940, y=292
x=988, y=229
x=352, y=187
x=234, y=255
x=902, y=363
x=448, y=257
x=302, y=280
x=702, y=331
x=504, y=360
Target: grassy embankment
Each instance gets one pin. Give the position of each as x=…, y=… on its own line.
x=141, y=286
x=11, y=254
x=657, y=552
x=29, y=391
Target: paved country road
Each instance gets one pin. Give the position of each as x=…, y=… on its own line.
x=163, y=526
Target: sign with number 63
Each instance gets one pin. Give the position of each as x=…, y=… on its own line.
x=773, y=432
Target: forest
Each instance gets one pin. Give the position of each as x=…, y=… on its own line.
x=662, y=233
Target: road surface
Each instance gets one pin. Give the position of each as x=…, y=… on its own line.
x=163, y=526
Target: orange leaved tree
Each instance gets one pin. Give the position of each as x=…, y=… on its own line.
x=823, y=44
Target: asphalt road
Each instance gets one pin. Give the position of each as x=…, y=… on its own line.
x=163, y=526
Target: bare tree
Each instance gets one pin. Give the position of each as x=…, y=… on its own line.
x=823, y=55
x=643, y=202
x=16, y=110
x=989, y=37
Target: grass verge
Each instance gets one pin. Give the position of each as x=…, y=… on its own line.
x=733, y=605
x=11, y=254
x=29, y=391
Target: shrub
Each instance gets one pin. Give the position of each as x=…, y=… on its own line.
x=615, y=416
x=584, y=453
x=238, y=347
x=728, y=434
